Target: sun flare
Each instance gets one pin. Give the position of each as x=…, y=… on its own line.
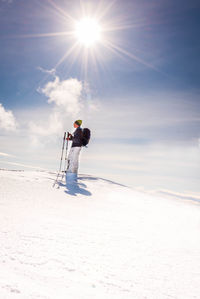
x=88, y=32
x=91, y=35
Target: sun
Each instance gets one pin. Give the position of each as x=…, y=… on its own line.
x=88, y=32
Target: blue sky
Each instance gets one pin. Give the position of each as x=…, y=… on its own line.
x=137, y=89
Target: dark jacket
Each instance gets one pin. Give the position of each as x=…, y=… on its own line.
x=77, y=137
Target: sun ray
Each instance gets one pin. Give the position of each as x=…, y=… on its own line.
x=91, y=35
x=76, y=54
x=113, y=28
x=99, y=62
x=132, y=56
x=67, y=54
x=83, y=9
x=140, y=24
x=50, y=34
x=110, y=48
x=84, y=67
x=94, y=61
x=73, y=56
x=101, y=12
x=62, y=12
x=90, y=61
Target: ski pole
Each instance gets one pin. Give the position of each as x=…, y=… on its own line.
x=65, y=165
x=64, y=138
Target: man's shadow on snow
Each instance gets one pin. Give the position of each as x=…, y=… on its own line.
x=76, y=188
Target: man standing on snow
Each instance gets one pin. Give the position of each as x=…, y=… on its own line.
x=73, y=157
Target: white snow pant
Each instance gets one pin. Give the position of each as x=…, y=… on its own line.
x=73, y=159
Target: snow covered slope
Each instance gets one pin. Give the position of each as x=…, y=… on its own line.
x=101, y=241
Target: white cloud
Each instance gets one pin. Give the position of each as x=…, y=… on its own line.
x=7, y=119
x=64, y=94
x=68, y=100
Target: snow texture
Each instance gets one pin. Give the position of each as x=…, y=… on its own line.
x=96, y=240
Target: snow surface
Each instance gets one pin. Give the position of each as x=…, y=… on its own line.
x=102, y=240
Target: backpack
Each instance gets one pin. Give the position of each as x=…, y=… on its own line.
x=85, y=136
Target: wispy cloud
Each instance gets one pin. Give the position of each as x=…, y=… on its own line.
x=7, y=119
x=5, y=155
x=50, y=72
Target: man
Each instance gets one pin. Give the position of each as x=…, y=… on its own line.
x=73, y=157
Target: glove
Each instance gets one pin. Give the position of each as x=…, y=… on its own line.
x=69, y=136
